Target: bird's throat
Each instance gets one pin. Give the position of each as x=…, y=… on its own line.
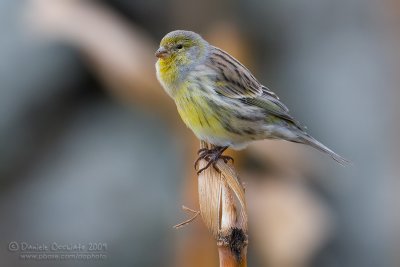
x=168, y=71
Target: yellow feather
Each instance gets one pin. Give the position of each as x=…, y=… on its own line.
x=197, y=114
x=167, y=70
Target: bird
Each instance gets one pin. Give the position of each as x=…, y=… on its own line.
x=221, y=101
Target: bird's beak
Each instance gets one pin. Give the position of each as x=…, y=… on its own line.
x=161, y=52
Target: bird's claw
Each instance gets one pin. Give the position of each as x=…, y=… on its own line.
x=212, y=156
x=203, y=154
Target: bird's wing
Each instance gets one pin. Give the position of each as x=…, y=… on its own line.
x=234, y=80
x=273, y=106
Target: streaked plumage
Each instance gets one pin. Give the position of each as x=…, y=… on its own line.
x=220, y=100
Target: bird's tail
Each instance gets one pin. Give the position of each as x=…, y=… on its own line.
x=309, y=140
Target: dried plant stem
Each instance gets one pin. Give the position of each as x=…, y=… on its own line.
x=223, y=210
x=226, y=259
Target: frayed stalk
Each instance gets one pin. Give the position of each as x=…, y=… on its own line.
x=223, y=210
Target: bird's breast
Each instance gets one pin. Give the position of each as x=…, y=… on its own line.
x=214, y=120
x=197, y=113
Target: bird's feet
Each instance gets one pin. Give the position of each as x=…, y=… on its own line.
x=212, y=156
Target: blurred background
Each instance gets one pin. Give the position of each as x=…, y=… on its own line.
x=92, y=149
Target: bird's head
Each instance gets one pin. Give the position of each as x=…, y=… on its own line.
x=182, y=48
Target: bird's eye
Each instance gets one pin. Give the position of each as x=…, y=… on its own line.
x=179, y=46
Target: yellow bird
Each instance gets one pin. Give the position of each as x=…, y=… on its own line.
x=220, y=100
